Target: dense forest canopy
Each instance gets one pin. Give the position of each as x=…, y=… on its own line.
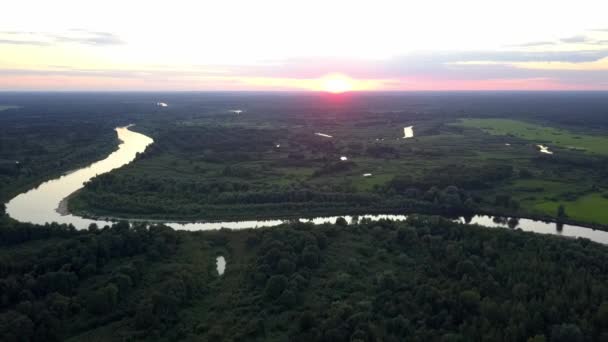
x=424, y=279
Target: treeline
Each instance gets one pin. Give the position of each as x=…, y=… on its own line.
x=117, y=195
x=239, y=202
x=13, y=232
x=163, y=208
x=460, y=175
x=448, y=200
x=595, y=167
x=214, y=143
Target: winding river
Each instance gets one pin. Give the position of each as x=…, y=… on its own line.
x=47, y=202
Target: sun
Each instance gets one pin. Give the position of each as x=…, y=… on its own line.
x=336, y=83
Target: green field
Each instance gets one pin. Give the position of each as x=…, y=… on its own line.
x=541, y=134
x=569, y=186
x=589, y=208
x=544, y=197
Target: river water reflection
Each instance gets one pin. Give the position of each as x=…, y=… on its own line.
x=483, y=220
x=41, y=204
x=220, y=265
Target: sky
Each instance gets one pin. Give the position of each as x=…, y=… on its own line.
x=313, y=45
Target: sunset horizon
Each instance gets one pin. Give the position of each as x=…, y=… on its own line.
x=334, y=47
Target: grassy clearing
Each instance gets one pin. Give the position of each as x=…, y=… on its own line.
x=589, y=208
x=540, y=134
x=367, y=183
x=544, y=197
x=526, y=188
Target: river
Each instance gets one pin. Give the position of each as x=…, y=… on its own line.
x=40, y=205
x=47, y=202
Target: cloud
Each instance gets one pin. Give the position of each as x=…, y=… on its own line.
x=458, y=65
x=422, y=63
x=71, y=72
x=575, y=39
x=445, y=66
x=73, y=36
x=530, y=56
x=149, y=73
x=475, y=76
x=531, y=44
x=82, y=36
x=22, y=42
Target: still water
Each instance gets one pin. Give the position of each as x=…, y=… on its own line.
x=45, y=203
x=408, y=132
x=220, y=265
x=544, y=149
x=483, y=220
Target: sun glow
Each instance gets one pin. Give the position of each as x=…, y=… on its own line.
x=337, y=83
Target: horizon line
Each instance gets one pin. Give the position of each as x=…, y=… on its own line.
x=317, y=91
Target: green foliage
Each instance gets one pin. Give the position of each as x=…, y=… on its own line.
x=53, y=279
x=566, y=333
x=561, y=211
x=424, y=279
x=275, y=286
x=36, y=146
x=341, y=221
x=103, y=300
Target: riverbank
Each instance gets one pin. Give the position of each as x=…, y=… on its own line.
x=63, y=207
x=333, y=213
x=517, y=223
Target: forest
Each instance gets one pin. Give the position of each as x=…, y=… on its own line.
x=33, y=150
x=424, y=279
